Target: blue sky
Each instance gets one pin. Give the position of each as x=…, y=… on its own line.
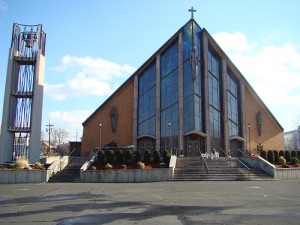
x=94, y=46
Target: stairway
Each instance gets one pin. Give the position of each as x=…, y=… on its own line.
x=191, y=169
x=71, y=173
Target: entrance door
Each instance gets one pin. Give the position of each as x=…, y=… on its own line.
x=193, y=147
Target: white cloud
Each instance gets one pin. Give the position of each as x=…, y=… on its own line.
x=3, y=5
x=70, y=120
x=273, y=71
x=88, y=76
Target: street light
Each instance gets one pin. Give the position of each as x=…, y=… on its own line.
x=249, y=126
x=100, y=125
x=49, y=129
x=171, y=146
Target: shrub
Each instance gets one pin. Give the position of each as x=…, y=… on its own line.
x=276, y=157
x=140, y=165
x=39, y=165
x=281, y=153
x=294, y=161
x=128, y=155
x=156, y=156
x=287, y=156
x=263, y=154
x=137, y=156
x=101, y=156
x=282, y=160
x=93, y=168
x=294, y=154
x=119, y=156
x=108, y=166
x=147, y=156
x=110, y=156
x=166, y=156
x=123, y=166
x=22, y=163
x=298, y=154
x=270, y=156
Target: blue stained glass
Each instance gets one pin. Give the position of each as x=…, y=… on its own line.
x=169, y=59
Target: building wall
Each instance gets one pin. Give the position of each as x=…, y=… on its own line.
x=123, y=102
x=271, y=137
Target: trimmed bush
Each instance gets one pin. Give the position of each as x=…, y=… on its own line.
x=281, y=153
x=137, y=156
x=128, y=155
x=270, y=156
x=166, y=156
x=22, y=164
x=140, y=165
x=282, y=160
x=298, y=154
x=263, y=154
x=276, y=156
x=156, y=156
x=110, y=156
x=147, y=156
x=108, y=166
x=119, y=155
x=294, y=161
x=287, y=156
x=101, y=156
x=294, y=154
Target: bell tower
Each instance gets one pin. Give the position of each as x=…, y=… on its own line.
x=23, y=98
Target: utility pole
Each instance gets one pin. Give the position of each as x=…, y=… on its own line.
x=49, y=129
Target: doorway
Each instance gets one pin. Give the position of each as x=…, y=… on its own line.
x=194, y=144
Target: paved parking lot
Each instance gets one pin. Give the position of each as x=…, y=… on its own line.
x=256, y=202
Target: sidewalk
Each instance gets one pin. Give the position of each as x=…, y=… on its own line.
x=256, y=202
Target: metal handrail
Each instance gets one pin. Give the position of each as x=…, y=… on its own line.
x=245, y=167
x=243, y=153
x=203, y=160
x=72, y=152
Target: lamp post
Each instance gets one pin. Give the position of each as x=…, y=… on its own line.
x=298, y=136
x=49, y=129
x=100, y=125
x=249, y=126
x=169, y=123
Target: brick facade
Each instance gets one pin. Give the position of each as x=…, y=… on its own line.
x=271, y=137
x=122, y=100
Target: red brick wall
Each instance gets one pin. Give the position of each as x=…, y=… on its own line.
x=271, y=138
x=123, y=102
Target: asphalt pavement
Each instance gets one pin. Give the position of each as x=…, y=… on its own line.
x=234, y=202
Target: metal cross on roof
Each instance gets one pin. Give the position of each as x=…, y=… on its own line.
x=192, y=10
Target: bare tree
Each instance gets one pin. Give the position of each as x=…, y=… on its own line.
x=59, y=136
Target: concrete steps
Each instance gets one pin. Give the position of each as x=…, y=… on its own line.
x=71, y=173
x=191, y=169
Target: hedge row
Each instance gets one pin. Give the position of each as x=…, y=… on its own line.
x=129, y=157
x=273, y=156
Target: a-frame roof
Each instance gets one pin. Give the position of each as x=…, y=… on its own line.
x=165, y=45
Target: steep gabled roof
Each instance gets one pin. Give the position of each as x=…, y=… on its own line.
x=141, y=68
x=165, y=45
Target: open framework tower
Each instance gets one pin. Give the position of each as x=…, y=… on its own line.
x=23, y=100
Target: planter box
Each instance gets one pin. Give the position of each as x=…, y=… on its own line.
x=24, y=176
x=126, y=176
x=271, y=170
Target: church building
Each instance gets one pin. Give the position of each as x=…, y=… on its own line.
x=187, y=97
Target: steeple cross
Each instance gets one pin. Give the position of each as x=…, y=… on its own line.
x=192, y=10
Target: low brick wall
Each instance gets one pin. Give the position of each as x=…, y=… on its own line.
x=271, y=170
x=127, y=176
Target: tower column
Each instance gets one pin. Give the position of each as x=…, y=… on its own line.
x=206, y=100
x=180, y=95
x=225, y=105
x=135, y=110
x=157, y=103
